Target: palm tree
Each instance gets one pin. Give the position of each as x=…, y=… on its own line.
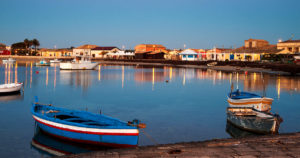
x=35, y=43
x=26, y=43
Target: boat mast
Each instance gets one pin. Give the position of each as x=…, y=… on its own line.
x=237, y=80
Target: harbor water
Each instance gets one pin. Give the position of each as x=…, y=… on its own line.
x=177, y=104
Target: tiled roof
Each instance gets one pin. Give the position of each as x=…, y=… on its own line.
x=291, y=41
x=104, y=48
x=266, y=49
x=87, y=46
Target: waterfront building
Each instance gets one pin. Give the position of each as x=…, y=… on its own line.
x=188, y=55
x=101, y=52
x=289, y=46
x=4, y=49
x=253, y=50
x=218, y=54
x=84, y=50
x=150, y=51
x=121, y=54
x=55, y=52
x=172, y=54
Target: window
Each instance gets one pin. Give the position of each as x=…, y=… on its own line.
x=190, y=56
x=184, y=56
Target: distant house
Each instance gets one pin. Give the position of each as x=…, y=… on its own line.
x=172, y=54
x=218, y=54
x=4, y=50
x=84, y=50
x=122, y=54
x=289, y=46
x=103, y=51
x=150, y=51
x=55, y=52
x=188, y=55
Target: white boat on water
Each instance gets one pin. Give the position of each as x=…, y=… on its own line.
x=10, y=87
x=250, y=100
x=55, y=61
x=9, y=60
x=80, y=63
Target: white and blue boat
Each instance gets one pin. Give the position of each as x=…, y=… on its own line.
x=249, y=100
x=85, y=127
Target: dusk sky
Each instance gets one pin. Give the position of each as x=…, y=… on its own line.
x=172, y=23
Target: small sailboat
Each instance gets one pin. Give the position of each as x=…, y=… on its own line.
x=254, y=121
x=251, y=100
x=8, y=61
x=42, y=62
x=85, y=127
x=246, y=99
x=10, y=88
x=80, y=63
x=55, y=61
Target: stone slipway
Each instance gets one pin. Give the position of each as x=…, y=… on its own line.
x=283, y=145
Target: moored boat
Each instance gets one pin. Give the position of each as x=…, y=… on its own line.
x=80, y=63
x=42, y=62
x=250, y=100
x=55, y=61
x=9, y=61
x=85, y=127
x=254, y=121
x=10, y=88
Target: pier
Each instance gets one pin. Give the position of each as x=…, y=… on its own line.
x=281, y=145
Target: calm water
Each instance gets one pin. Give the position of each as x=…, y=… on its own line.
x=190, y=107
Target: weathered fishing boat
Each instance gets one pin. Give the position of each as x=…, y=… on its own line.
x=85, y=127
x=254, y=121
x=52, y=146
x=250, y=100
x=10, y=88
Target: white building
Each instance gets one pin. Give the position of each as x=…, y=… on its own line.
x=84, y=50
x=127, y=54
x=103, y=51
x=188, y=55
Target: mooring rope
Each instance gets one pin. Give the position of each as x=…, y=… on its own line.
x=149, y=137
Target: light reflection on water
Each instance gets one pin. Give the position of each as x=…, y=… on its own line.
x=177, y=104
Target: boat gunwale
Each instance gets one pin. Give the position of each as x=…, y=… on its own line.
x=60, y=121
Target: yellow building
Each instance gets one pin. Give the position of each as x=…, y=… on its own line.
x=55, y=52
x=289, y=46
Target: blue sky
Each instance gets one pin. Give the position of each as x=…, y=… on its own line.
x=173, y=23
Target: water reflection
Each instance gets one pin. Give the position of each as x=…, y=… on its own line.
x=11, y=97
x=236, y=132
x=46, y=144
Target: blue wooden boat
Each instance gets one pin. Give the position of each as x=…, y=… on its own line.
x=85, y=127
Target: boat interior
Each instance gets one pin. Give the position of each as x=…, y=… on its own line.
x=73, y=118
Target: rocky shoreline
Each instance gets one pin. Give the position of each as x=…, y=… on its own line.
x=281, y=145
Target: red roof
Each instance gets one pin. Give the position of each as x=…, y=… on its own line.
x=104, y=48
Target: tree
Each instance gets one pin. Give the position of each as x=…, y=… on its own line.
x=35, y=43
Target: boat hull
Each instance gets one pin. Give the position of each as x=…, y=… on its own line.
x=254, y=123
x=260, y=104
x=78, y=66
x=10, y=88
x=87, y=136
